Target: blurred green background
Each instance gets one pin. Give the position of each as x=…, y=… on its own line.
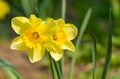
x=75, y=12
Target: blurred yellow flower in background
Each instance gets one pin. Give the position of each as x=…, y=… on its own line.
x=34, y=35
x=4, y=9
x=62, y=39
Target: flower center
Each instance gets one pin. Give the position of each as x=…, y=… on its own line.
x=59, y=38
x=32, y=38
x=35, y=35
x=55, y=37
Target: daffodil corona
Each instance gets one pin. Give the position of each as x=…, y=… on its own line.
x=36, y=36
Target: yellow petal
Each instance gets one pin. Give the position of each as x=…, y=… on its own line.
x=68, y=45
x=49, y=47
x=57, y=55
x=19, y=24
x=35, y=21
x=70, y=30
x=18, y=44
x=36, y=54
x=54, y=50
x=50, y=27
x=60, y=22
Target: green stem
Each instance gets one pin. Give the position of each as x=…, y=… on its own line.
x=94, y=56
x=60, y=63
x=109, y=48
x=77, y=45
x=63, y=12
x=58, y=70
x=54, y=75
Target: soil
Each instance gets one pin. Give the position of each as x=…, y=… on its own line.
x=20, y=61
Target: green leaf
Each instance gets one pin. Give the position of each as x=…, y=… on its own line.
x=77, y=45
x=94, y=56
x=109, y=48
x=9, y=69
x=29, y=6
x=44, y=8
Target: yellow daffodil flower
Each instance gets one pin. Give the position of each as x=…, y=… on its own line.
x=4, y=9
x=34, y=35
x=62, y=39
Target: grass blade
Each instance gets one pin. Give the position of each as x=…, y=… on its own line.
x=29, y=6
x=94, y=56
x=109, y=48
x=77, y=45
x=9, y=69
x=26, y=7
